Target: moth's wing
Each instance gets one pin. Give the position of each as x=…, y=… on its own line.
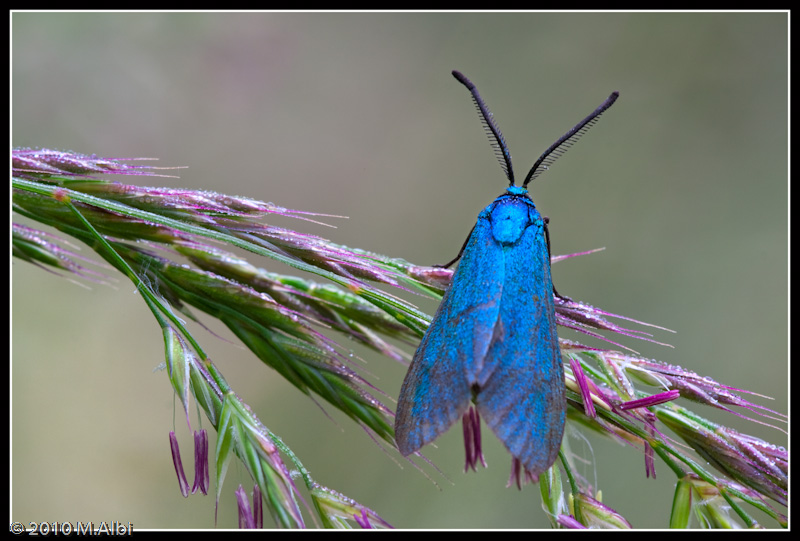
x=436, y=391
x=521, y=396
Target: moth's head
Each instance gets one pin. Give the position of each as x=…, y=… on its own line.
x=517, y=190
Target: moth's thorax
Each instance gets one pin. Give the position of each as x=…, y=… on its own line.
x=511, y=214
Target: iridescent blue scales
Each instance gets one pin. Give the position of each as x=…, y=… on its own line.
x=493, y=341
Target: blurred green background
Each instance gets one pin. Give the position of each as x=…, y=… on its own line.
x=684, y=182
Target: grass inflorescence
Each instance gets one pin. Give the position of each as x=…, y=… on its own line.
x=177, y=247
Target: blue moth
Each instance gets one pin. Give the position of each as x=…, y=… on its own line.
x=493, y=340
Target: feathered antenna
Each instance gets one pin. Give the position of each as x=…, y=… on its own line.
x=567, y=140
x=487, y=119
